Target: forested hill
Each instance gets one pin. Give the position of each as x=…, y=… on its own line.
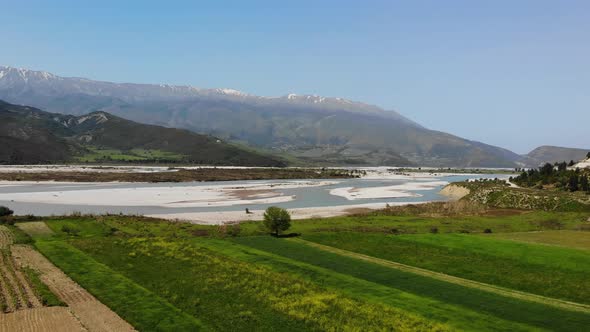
x=31, y=136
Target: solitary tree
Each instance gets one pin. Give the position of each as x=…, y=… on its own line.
x=277, y=220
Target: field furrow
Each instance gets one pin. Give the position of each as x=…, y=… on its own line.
x=568, y=305
x=7, y=298
x=19, y=301
x=25, y=287
x=92, y=313
x=40, y=319
x=5, y=237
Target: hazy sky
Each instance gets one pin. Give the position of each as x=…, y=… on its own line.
x=509, y=73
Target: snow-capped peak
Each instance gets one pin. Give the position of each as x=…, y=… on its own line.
x=24, y=74
x=231, y=92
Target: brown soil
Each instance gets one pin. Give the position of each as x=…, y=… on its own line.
x=5, y=237
x=40, y=319
x=93, y=315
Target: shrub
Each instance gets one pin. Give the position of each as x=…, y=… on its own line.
x=434, y=230
x=277, y=220
x=70, y=230
x=487, y=231
x=4, y=211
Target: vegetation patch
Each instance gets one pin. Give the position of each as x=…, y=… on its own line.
x=552, y=272
x=140, y=307
x=41, y=290
x=489, y=304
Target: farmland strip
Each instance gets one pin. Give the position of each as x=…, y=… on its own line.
x=568, y=305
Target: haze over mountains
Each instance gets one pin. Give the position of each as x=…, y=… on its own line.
x=312, y=128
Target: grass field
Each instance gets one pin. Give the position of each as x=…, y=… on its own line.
x=252, y=281
x=563, y=238
x=548, y=271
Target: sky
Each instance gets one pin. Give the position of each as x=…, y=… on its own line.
x=512, y=73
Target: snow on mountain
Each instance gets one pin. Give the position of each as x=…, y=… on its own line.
x=45, y=83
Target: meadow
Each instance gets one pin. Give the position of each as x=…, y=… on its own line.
x=158, y=274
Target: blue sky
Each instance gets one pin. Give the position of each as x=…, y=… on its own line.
x=509, y=73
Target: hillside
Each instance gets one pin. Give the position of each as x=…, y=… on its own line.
x=313, y=128
x=552, y=154
x=30, y=135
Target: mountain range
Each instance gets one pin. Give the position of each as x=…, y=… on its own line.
x=31, y=136
x=314, y=129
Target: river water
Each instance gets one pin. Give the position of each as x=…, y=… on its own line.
x=43, y=199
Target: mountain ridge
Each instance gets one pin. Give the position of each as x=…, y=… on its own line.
x=313, y=128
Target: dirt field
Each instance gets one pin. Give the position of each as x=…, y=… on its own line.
x=93, y=315
x=40, y=319
x=5, y=237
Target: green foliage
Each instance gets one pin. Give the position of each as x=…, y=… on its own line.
x=41, y=290
x=501, y=196
x=70, y=230
x=557, y=175
x=548, y=271
x=229, y=288
x=277, y=220
x=501, y=313
x=297, y=287
x=4, y=211
x=143, y=309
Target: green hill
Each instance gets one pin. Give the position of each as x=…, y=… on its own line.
x=30, y=135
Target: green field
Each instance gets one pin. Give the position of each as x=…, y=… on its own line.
x=548, y=271
x=95, y=155
x=194, y=277
x=563, y=238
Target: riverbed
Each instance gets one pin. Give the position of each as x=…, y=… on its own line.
x=218, y=202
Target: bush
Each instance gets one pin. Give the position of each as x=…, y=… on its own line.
x=434, y=230
x=487, y=231
x=277, y=220
x=70, y=230
x=4, y=211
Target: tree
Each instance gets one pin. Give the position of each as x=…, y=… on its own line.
x=4, y=211
x=546, y=170
x=573, y=183
x=584, y=183
x=277, y=220
x=588, y=155
x=572, y=163
x=562, y=166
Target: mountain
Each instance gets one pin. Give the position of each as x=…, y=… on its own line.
x=552, y=154
x=29, y=135
x=312, y=128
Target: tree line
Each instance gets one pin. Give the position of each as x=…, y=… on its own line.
x=557, y=175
